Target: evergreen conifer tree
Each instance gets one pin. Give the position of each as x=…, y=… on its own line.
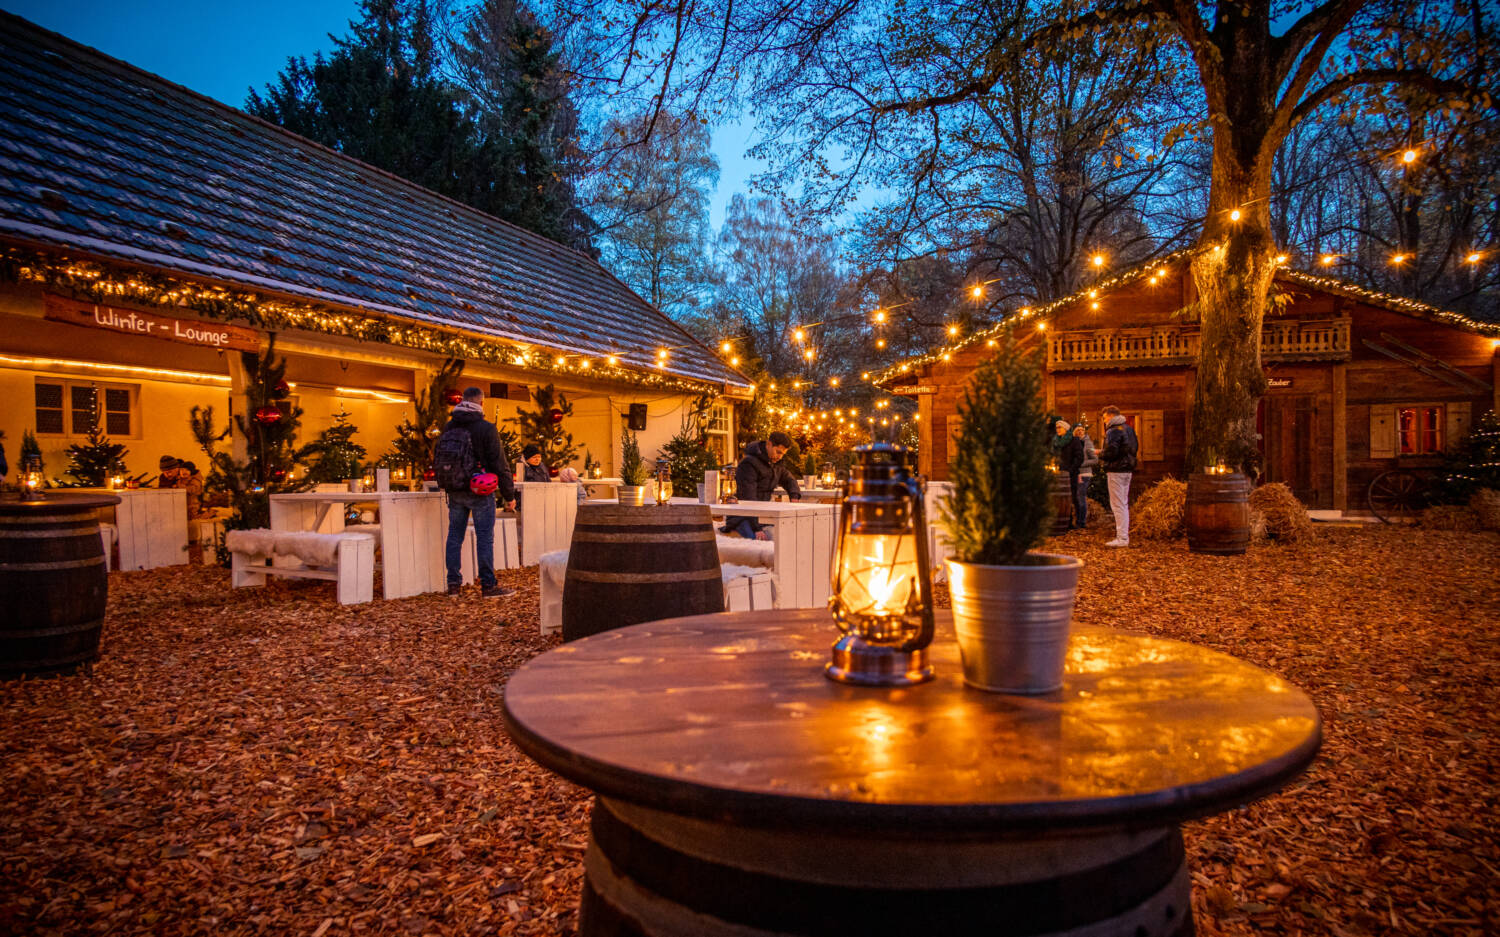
x=90, y=464
x=1472, y=464
x=416, y=437
x=334, y=455
x=268, y=429
x=544, y=426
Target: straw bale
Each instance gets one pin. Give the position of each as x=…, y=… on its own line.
x=1257, y=526
x=1157, y=514
x=1486, y=504
x=1450, y=517
x=1286, y=518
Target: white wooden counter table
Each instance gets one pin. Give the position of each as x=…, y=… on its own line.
x=804, y=534
x=413, y=528
x=548, y=512
x=152, y=525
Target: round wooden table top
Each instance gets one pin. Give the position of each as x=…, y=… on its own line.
x=729, y=717
x=54, y=501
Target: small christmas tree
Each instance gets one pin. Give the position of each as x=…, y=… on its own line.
x=1472, y=464
x=544, y=426
x=334, y=455
x=268, y=430
x=31, y=453
x=688, y=450
x=416, y=437
x=90, y=464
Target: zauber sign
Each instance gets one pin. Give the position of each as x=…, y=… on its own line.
x=150, y=325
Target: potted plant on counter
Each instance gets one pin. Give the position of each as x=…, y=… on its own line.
x=1012, y=608
x=633, y=473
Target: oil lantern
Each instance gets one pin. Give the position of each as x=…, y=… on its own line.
x=662, y=483
x=882, y=586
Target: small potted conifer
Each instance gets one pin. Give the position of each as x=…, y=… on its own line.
x=1012, y=608
x=633, y=473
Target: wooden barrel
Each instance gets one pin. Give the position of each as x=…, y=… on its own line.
x=633, y=564
x=1217, y=514
x=652, y=873
x=1062, y=505
x=53, y=584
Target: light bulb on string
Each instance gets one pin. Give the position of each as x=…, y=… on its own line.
x=1327, y=260
x=1398, y=258
x=1234, y=214
x=977, y=291
x=879, y=343
x=1409, y=157
x=1097, y=260
x=725, y=347
x=799, y=336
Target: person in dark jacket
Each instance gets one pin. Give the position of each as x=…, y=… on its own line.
x=1070, y=460
x=535, y=470
x=1118, y=460
x=469, y=415
x=757, y=477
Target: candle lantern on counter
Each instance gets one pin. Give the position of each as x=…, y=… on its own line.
x=827, y=477
x=882, y=588
x=662, y=483
x=368, y=481
x=116, y=482
x=597, y=471
x=727, y=486
x=31, y=485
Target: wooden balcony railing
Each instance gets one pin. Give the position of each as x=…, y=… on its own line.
x=1280, y=340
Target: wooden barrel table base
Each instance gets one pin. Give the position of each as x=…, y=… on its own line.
x=53, y=585
x=655, y=873
x=1216, y=515
x=740, y=793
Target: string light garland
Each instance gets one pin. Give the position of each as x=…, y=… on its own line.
x=100, y=282
x=1158, y=269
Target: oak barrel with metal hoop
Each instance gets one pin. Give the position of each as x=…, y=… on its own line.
x=1217, y=514
x=53, y=584
x=633, y=564
x=1062, y=505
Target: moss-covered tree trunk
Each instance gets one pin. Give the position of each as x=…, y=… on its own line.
x=1232, y=273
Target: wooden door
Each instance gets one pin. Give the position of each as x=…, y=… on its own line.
x=1288, y=443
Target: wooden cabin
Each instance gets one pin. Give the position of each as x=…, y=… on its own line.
x=1360, y=382
x=148, y=234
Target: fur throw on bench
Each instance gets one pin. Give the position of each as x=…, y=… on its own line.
x=742, y=552
x=313, y=549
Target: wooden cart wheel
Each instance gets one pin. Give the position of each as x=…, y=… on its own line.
x=1397, y=496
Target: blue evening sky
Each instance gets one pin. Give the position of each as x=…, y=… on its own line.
x=222, y=49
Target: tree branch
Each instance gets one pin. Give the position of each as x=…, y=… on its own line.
x=1411, y=77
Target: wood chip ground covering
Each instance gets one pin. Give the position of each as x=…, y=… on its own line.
x=265, y=761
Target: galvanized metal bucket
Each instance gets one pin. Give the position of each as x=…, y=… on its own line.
x=632, y=495
x=1013, y=621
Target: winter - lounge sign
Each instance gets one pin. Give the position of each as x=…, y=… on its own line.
x=150, y=325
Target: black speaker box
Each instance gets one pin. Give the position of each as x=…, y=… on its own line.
x=637, y=416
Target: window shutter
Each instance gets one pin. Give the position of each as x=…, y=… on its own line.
x=1382, y=432
x=955, y=428
x=1456, y=426
x=1152, y=447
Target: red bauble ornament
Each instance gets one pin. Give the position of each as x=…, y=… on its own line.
x=281, y=391
x=278, y=475
x=552, y=472
x=429, y=475
x=267, y=416
x=555, y=414
x=451, y=396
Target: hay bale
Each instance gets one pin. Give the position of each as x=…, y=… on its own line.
x=1486, y=505
x=1285, y=517
x=1157, y=514
x=1450, y=517
x=1257, y=527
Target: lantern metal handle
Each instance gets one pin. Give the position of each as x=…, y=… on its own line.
x=919, y=528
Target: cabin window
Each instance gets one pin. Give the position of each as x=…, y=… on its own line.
x=72, y=408
x=716, y=428
x=1419, y=430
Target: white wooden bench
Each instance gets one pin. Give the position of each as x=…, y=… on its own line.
x=352, y=569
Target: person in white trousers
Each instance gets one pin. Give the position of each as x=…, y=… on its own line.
x=1118, y=460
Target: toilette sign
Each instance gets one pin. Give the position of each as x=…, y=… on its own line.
x=151, y=325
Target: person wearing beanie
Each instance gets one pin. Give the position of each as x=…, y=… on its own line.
x=176, y=473
x=535, y=470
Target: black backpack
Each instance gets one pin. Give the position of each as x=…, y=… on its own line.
x=453, y=459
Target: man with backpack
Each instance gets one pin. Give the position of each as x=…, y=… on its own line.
x=1118, y=459
x=469, y=465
